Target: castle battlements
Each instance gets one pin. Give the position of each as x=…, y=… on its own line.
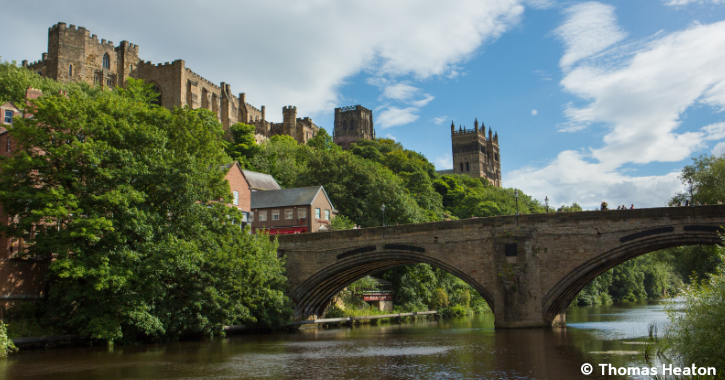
x=76, y=55
x=194, y=75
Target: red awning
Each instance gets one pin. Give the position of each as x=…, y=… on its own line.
x=289, y=230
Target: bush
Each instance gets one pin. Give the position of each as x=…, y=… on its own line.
x=6, y=344
x=455, y=311
x=698, y=335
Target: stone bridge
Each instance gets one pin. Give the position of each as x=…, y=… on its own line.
x=527, y=270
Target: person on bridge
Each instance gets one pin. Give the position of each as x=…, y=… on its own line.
x=632, y=208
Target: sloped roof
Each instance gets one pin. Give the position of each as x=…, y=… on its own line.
x=260, y=181
x=299, y=196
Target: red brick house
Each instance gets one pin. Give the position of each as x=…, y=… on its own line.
x=241, y=191
x=290, y=211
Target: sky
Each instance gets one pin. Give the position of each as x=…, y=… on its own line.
x=593, y=101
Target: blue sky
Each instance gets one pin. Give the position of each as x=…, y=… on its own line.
x=593, y=101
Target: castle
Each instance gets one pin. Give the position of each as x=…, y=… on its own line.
x=74, y=55
x=474, y=154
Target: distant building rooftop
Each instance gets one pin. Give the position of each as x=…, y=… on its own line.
x=260, y=181
x=446, y=171
x=287, y=197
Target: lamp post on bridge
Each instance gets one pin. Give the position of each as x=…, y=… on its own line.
x=516, y=195
x=383, y=209
x=692, y=200
x=546, y=201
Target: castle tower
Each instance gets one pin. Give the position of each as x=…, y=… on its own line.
x=352, y=123
x=476, y=155
x=289, y=121
x=74, y=55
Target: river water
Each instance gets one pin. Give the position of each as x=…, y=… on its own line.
x=458, y=348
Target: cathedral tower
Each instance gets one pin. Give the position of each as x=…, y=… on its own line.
x=476, y=155
x=352, y=123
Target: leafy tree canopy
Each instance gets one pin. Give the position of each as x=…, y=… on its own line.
x=124, y=196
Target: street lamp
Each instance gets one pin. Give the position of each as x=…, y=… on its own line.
x=516, y=195
x=383, y=208
x=546, y=202
x=692, y=200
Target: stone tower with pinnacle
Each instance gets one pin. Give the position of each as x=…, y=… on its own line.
x=352, y=123
x=475, y=154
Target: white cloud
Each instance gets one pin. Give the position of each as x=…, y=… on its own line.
x=394, y=116
x=637, y=101
x=534, y=112
x=719, y=149
x=571, y=178
x=400, y=91
x=677, y=3
x=439, y=120
x=278, y=52
x=422, y=102
x=390, y=136
x=589, y=29
x=444, y=162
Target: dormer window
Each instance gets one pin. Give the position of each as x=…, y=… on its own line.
x=106, y=61
x=8, y=116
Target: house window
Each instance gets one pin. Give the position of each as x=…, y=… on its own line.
x=106, y=61
x=288, y=214
x=263, y=216
x=317, y=213
x=236, y=198
x=327, y=214
x=70, y=70
x=301, y=213
x=251, y=217
x=9, y=116
x=275, y=214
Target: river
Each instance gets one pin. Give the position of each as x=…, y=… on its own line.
x=457, y=348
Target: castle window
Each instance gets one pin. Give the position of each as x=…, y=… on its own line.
x=97, y=79
x=8, y=116
x=70, y=70
x=461, y=166
x=109, y=82
x=131, y=69
x=157, y=89
x=468, y=168
x=106, y=61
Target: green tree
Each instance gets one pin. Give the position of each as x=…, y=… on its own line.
x=698, y=333
x=124, y=197
x=323, y=141
x=243, y=146
x=707, y=177
x=15, y=80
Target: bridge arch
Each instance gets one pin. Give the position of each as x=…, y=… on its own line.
x=558, y=298
x=316, y=292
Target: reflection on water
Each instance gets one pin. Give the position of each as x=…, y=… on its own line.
x=461, y=348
